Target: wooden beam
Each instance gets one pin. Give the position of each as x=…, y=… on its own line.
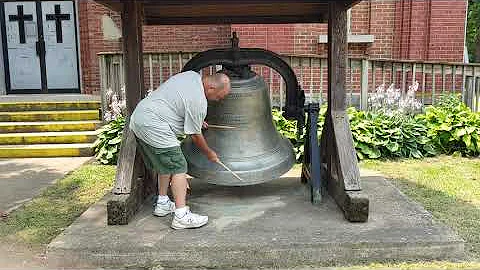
x=128, y=193
x=221, y=11
x=341, y=172
x=234, y=9
x=129, y=182
x=316, y=18
x=337, y=55
x=132, y=21
x=126, y=159
x=235, y=12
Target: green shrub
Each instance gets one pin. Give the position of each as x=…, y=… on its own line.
x=108, y=142
x=289, y=129
x=375, y=135
x=447, y=128
x=453, y=127
x=378, y=135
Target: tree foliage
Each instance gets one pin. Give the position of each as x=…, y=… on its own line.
x=473, y=30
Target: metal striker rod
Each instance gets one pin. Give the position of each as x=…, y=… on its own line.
x=228, y=169
x=220, y=126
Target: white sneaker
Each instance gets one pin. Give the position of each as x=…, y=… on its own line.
x=188, y=221
x=163, y=209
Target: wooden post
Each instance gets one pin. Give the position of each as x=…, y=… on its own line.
x=364, y=85
x=351, y=72
x=423, y=83
x=128, y=192
x=433, y=84
x=469, y=91
x=464, y=77
x=342, y=173
x=103, y=85
x=132, y=20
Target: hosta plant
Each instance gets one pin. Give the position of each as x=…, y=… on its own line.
x=289, y=130
x=380, y=135
x=453, y=127
x=108, y=141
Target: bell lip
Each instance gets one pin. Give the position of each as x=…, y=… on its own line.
x=276, y=170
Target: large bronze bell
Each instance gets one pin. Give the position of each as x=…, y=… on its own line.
x=252, y=148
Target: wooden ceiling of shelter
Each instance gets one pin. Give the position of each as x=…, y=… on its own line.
x=225, y=12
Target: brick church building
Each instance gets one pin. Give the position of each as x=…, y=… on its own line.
x=54, y=45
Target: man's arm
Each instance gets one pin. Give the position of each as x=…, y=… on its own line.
x=201, y=143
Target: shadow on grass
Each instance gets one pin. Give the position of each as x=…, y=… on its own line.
x=40, y=220
x=20, y=181
x=458, y=214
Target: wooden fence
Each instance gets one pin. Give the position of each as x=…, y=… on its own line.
x=363, y=77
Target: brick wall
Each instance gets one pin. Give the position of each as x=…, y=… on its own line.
x=155, y=39
x=430, y=30
x=274, y=37
x=381, y=25
x=447, y=30
x=92, y=42
x=403, y=29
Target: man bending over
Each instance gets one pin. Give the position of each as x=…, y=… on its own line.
x=177, y=107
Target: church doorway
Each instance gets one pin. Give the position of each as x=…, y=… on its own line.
x=40, y=47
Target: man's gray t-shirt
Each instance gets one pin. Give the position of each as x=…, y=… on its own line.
x=177, y=107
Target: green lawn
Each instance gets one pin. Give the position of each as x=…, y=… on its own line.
x=449, y=188
x=40, y=220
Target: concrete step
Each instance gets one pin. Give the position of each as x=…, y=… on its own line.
x=15, y=127
x=46, y=150
x=34, y=116
x=48, y=106
x=48, y=137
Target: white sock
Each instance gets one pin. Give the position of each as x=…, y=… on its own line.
x=163, y=199
x=180, y=212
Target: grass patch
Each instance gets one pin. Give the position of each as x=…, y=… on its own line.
x=40, y=220
x=448, y=187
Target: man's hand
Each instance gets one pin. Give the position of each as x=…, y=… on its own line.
x=212, y=156
x=205, y=125
x=200, y=142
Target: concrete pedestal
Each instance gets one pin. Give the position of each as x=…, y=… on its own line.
x=270, y=225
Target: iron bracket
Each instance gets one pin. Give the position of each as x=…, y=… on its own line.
x=311, y=167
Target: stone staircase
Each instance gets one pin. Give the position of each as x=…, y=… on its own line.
x=48, y=129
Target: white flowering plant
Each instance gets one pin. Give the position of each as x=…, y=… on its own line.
x=392, y=101
x=110, y=135
x=115, y=106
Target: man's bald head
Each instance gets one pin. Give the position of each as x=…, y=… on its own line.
x=216, y=86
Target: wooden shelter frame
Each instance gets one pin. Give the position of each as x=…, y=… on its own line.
x=338, y=158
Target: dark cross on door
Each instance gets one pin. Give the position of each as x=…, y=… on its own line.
x=21, y=18
x=58, y=18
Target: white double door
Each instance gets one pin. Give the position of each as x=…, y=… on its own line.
x=40, y=47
